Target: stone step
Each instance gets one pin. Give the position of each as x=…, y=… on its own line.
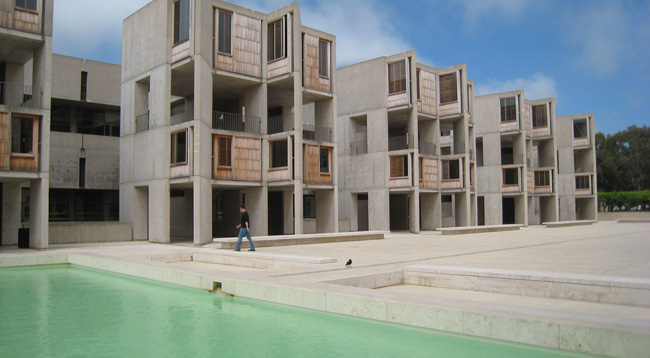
x=478, y=229
x=303, y=239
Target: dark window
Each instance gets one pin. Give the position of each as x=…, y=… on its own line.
x=542, y=178
x=417, y=79
x=26, y=4
x=61, y=118
x=450, y=170
x=323, y=59
x=181, y=21
x=179, y=147
x=540, y=116
x=225, y=152
x=398, y=166
x=225, y=37
x=82, y=172
x=511, y=176
x=276, y=40
x=397, y=77
x=84, y=84
x=580, y=128
x=84, y=205
x=325, y=160
x=22, y=135
x=508, y=109
x=309, y=206
x=279, y=153
x=582, y=182
x=448, y=88
x=507, y=156
x=445, y=150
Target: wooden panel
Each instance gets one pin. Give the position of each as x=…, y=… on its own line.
x=27, y=21
x=541, y=132
x=247, y=159
x=580, y=142
x=451, y=184
x=246, y=57
x=6, y=19
x=312, y=78
x=278, y=67
x=5, y=142
x=223, y=173
x=510, y=189
x=511, y=126
x=176, y=171
x=399, y=182
x=180, y=51
x=281, y=174
x=398, y=99
x=428, y=92
x=27, y=162
x=449, y=108
x=530, y=182
x=312, y=164
x=429, y=173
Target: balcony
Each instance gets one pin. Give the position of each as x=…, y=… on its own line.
x=317, y=133
x=16, y=95
x=14, y=17
x=541, y=181
x=400, y=142
x=426, y=148
x=511, y=179
x=236, y=122
x=360, y=147
x=142, y=123
x=279, y=124
x=180, y=114
x=583, y=185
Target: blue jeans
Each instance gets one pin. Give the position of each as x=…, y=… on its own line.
x=243, y=232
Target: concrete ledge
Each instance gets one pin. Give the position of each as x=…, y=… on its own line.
x=303, y=239
x=254, y=259
x=568, y=223
x=478, y=229
x=88, y=232
x=630, y=221
x=586, y=288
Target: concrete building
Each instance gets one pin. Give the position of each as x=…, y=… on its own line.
x=516, y=159
x=576, y=152
x=223, y=105
x=406, y=143
x=25, y=72
x=85, y=144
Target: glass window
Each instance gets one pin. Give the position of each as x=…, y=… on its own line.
x=542, y=178
x=26, y=4
x=309, y=206
x=450, y=170
x=61, y=117
x=508, y=109
x=417, y=80
x=181, y=21
x=225, y=37
x=582, y=182
x=279, y=153
x=540, y=116
x=325, y=160
x=224, y=159
x=276, y=40
x=397, y=77
x=84, y=85
x=448, y=88
x=507, y=156
x=179, y=147
x=21, y=135
x=323, y=58
x=511, y=176
x=580, y=128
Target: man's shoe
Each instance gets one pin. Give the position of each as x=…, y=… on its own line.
x=251, y=250
x=235, y=250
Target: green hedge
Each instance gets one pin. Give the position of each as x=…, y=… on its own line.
x=624, y=200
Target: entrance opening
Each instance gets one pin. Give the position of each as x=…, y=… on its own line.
x=508, y=205
x=362, y=212
x=399, y=212
x=276, y=210
x=481, y=210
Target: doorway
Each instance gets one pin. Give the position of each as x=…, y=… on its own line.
x=362, y=212
x=276, y=210
x=508, y=205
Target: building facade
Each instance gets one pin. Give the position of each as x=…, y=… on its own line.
x=222, y=106
x=406, y=143
x=25, y=89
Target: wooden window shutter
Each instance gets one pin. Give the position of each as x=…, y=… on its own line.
x=225, y=152
x=448, y=88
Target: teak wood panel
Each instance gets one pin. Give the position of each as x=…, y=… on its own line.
x=541, y=132
x=247, y=159
x=5, y=144
x=449, y=108
x=580, y=142
x=399, y=182
x=27, y=21
x=25, y=162
x=246, y=47
x=398, y=99
x=510, y=126
x=529, y=184
x=279, y=67
x=427, y=92
x=181, y=170
x=451, y=184
x=312, y=78
x=429, y=173
x=313, y=174
x=181, y=51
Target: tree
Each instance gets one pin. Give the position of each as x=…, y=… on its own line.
x=623, y=160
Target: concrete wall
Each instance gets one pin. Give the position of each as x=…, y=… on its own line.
x=103, y=83
x=88, y=232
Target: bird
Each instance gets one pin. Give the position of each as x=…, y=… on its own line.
x=349, y=263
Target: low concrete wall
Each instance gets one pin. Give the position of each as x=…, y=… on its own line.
x=618, y=215
x=87, y=232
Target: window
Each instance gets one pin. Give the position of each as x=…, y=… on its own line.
x=417, y=80
x=323, y=59
x=309, y=206
x=279, y=153
x=397, y=77
x=82, y=172
x=276, y=40
x=225, y=41
x=398, y=166
x=325, y=160
x=450, y=170
x=582, y=182
x=22, y=135
x=448, y=88
x=508, y=109
x=445, y=150
x=542, y=178
x=179, y=147
x=511, y=176
x=224, y=156
x=540, y=118
x=507, y=156
x=181, y=21
x=84, y=85
x=26, y=4
x=580, y=128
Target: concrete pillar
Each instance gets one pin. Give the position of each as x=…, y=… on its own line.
x=10, y=212
x=287, y=199
x=379, y=210
x=39, y=213
x=202, y=206
x=257, y=199
x=326, y=216
x=297, y=204
x=139, y=213
x=430, y=214
x=159, y=209
x=414, y=211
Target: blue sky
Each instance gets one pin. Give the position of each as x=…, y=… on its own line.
x=591, y=55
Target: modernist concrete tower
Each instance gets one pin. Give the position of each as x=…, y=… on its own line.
x=406, y=143
x=577, y=186
x=516, y=159
x=25, y=70
x=223, y=105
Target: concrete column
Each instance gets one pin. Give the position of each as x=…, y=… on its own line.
x=257, y=199
x=159, y=210
x=10, y=212
x=297, y=204
x=287, y=199
x=39, y=213
x=202, y=207
x=326, y=216
x=430, y=214
x=379, y=210
x=414, y=211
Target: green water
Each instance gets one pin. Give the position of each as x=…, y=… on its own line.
x=68, y=311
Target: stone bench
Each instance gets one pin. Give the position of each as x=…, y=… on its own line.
x=478, y=229
x=568, y=223
x=255, y=259
x=302, y=239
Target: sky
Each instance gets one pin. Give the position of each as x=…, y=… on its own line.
x=593, y=56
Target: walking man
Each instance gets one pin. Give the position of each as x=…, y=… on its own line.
x=244, y=229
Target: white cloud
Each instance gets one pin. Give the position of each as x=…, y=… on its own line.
x=510, y=9
x=536, y=87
